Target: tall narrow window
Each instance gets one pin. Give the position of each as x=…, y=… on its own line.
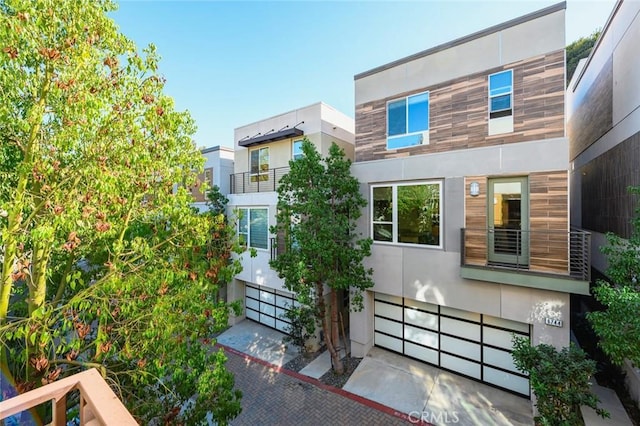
x=501, y=94
x=297, y=150
x=253, y=227
x=408, y=121
x=259, y=159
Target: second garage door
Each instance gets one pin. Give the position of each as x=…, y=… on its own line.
x=268, y=306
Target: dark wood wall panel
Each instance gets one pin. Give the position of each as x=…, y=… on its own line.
x=459, y=111
x=593, y=113
x=607, y=206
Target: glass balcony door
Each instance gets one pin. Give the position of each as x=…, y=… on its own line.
x=508, y=215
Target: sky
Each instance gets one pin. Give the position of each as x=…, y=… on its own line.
x=231, y=63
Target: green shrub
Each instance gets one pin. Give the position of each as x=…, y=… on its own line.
x=560, y=381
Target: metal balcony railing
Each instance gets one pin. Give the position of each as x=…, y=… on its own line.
x=98, y=405
x=566, y=253
x=264, y=181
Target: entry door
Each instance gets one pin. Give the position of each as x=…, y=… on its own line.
x=508, y=213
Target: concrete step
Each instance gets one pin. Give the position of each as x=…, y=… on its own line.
x=610, y=402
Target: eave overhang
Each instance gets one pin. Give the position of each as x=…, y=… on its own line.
x=291, y=132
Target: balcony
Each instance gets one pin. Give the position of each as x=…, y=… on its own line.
x=264, y=181
x=545, y=259
x=98, y=405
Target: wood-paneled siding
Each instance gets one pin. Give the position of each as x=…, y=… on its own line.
x=548, y=222
x=475, y=221
x=459, y=111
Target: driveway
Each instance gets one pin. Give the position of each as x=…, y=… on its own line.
x=385, y=389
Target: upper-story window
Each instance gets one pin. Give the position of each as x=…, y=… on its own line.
x=408, y=121
x=407, y=213
x=206, y=177
x=259, y=164
x=501, y=94
x=297, y=150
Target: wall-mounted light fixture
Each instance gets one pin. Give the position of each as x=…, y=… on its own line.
x=474, y=189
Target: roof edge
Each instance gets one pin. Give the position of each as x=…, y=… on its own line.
x=465, y=39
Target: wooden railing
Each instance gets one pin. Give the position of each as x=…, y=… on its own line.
x=98, y=405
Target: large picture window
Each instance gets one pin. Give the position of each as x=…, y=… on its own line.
x=259, y=164
x=253, y=227
x=407, y=213
x=501, y=94
x=408, y=121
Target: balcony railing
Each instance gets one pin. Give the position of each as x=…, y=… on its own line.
x=265, y=181
x=565, y=253
x=98, y=405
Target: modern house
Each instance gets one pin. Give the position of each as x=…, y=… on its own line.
x=603, y=112
x=217, y=168
x=462, y=153
x=262, y=154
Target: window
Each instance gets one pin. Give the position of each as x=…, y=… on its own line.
x=253, y=227
x=259, y=164
x=501, y=94
x=407, y=213
x=408, y=121
x=205, y=177
x=297, y=150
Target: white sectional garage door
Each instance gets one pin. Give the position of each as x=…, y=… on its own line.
x=475, y=345
x=267, y=306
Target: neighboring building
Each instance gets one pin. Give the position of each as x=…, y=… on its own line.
x=262, y=154
x=462, y=154
x=217, y=169
x=603, y=111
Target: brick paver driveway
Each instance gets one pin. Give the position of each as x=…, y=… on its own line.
x=278, y=397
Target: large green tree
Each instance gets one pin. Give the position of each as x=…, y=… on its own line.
x=319, y=203
x=618, y=326
x=104, y=262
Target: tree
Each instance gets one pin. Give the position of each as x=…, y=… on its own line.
x=579, y=49
x=318, y=205
x=559, y=379
x=618, y=326
x=104, y=262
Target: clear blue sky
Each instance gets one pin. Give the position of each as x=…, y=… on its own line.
x=234, y=63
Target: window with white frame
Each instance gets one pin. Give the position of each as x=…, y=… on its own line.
x=259, y=164
x=297, y=150
x=408, y=121
x=501, y=94
x=407, y=213
x=253, y=227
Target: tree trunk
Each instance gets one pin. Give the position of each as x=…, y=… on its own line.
x=327, y=328
x=335, y=331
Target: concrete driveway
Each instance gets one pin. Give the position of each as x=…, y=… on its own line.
x=436, y=396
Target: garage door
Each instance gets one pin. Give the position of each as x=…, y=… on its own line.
x=474, y=345
x=267, y=306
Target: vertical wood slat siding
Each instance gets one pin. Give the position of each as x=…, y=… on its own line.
x=475, y=222
x=459, y=111
x=548, y=204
